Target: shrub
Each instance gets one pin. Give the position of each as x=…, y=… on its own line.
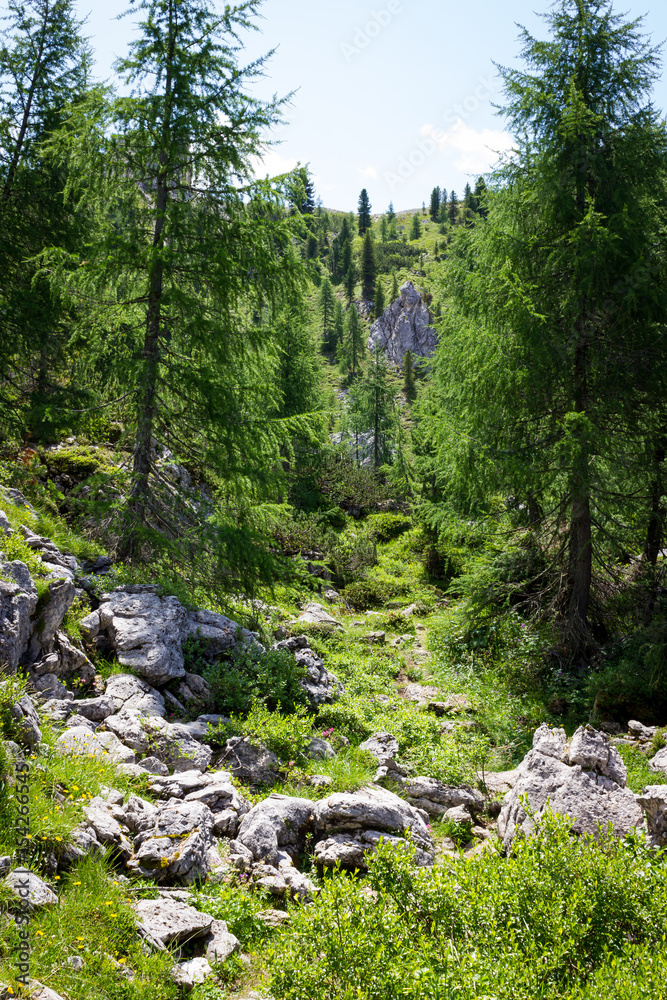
x=555, y=920
x=238, y=907
x=384, y=527
x=287, y=736
x=272, y=676
x=364, y=594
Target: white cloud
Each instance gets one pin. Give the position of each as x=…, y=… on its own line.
x=272, y=164
x=476, y=151
x=369, y=172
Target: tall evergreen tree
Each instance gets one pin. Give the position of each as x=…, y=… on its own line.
x=409, y=384
x=364, y=212
x=415, y=227
x=434, y=211
x=453, y=209
x=384, y=228
x=562, y=280
x=352, y=347
x=350, y=283
x=44, y=64
x=182, y=272
x=372, y=408
x=391, y=214
x=378, y=299
x=395, y=290
x=338, y=326
x=327, y=305
x=368, y=266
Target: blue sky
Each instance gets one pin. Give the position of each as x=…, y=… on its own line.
x=395, y=96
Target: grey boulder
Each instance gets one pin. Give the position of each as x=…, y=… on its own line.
x=279, y=822
x=30, y=889
x=435, y=798
x=253, y=765
x=653, y=801
x=170, y=922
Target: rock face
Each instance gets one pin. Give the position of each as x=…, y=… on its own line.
x=171, y=922
x=585, y=781
x=404, y=326
x=147, y=631
x=653, y=801
x=279, y=822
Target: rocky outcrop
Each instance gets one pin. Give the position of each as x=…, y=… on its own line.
x=404, y=326
x=584, y=780
x=320, y=686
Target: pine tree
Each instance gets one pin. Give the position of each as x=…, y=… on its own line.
x=368, y=266
x=384, y=228
x=415, y=228
x=178, y=275
x=435, y=204
x=372, y=408
x=395, y=290
x=327, y=305
x=364, y=212
x=453, y=210
x=391, y=214
x=378, y=299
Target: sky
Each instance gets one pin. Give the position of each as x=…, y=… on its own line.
x=395, y=96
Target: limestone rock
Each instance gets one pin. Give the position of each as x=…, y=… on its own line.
x=589, y=798
x=27, y=886
x=174, y=843
x=659, y=761
x=153, y=736
x=593, y=752
x=404, y=326
x=653, y=801
x=436, y=798
x=319, y=749
x=372, y=808
x=15, y=610
x=220, y=944
x=278, y=822
x=253, y=765
x=189, y=974
x=80, y=742
x=25, y=717
x=170, y=922
x=96, y=709
x=146, y=631
x=132, y=693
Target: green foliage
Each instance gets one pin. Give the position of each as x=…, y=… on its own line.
x=554, y=921
x=286, y=735
x=238, y=907
x=384, y=527
x=639, y=773
x=364, y=594
x=416, y=227
x=249, y=674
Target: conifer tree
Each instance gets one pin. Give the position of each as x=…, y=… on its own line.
x=368, y=266
x=453, y=210
x=435, y=204
x=415, y=228
x=480, y=196
x=378, y=299
x=395, y=290
x=391, y=214
x=179, y=274
x=352, y=347
x=327, y=305
x=384, y=228
x=409, y=384
x=575, y=223
x=350, y=283
x=44, y=65
x=364, y=212
x=338, y=326
x=372, y=408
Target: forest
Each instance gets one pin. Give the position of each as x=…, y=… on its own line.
x=211, y=412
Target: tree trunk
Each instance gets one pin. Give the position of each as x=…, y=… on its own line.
x=580, y=569
x=147, y=403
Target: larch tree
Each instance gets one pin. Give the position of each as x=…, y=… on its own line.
x=558, y=315
x=372, y=408
x=327, y=306
x=44, y=66
x=187, y=254
x=378, y=299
